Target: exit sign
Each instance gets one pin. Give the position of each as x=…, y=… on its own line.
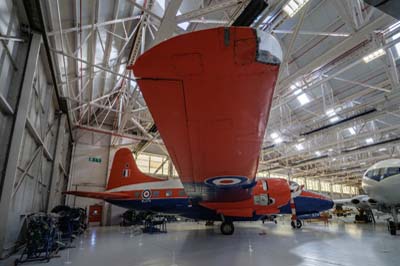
x=95, y=159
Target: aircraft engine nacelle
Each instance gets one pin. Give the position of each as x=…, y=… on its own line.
x=372, y=201
x=355, y=201
x=270, y=194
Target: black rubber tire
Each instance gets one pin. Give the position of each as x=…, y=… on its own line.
x=293, y=224
x=299, y=224
x=227, y=228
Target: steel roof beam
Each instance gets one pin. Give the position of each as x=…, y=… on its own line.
x=332, y=53
x=95, y=25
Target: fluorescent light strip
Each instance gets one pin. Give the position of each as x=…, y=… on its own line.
x=351, y=130
x=374, y=55
x=330, y=112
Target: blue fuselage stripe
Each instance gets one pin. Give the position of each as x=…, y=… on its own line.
x=191, y=209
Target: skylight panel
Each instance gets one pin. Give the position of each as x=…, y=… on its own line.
x=351, y=130
x=294, y=6
x=303, y=99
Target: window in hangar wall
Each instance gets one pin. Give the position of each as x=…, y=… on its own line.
x=300, y=181
x=312, y=184
x=149, y=163
x=346, y=189
x=325, y=187
x=337, y=188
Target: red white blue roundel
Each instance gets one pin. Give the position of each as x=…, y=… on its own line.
x=146, y=194
x=226, y=181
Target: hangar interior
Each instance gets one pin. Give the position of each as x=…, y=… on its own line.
x=68, y=101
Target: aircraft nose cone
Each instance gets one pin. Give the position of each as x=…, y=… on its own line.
x=328, y=204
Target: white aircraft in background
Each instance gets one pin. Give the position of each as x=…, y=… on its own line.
x=381, y=183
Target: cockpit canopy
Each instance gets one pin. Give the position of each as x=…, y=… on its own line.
x=379, y=174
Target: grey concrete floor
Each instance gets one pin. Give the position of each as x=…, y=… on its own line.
x=252, y=244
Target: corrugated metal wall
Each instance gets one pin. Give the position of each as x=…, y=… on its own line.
x=39, y=154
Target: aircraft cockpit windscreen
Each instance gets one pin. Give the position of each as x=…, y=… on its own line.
x=382, y=173
x=293, y=186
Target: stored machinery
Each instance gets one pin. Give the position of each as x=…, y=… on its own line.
x=46, y=234
x=41, y=238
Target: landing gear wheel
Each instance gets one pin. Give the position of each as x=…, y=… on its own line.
x=296, y=224
x=392, y=228
x=299, y=224
x=227, y=228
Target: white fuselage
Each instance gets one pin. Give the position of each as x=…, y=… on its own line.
x=382, y=184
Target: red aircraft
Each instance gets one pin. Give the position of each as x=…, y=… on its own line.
x=210, y=93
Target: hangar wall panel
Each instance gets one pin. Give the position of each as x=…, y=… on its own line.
x=28, y=108
x=10, y=77
x=89, y=165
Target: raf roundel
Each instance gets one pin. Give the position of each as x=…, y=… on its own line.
x=226, y=181
x=146, y=194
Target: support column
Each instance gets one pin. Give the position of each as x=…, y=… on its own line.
x=58, y=155
x=16, y=138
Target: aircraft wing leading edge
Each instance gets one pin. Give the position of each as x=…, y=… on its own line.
x=210, y=93
x=360, y=201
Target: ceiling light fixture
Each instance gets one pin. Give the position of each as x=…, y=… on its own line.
x=299, y=147
x=297, y=92
x=274, y=135
x=369, y=140
x=303, y=99
x=374, y=55
x=318, y=153
x=294, y=6
x=334, y=119
x=330, y=112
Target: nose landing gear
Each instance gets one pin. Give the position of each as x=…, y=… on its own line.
x=393, y=225
x=227, y=228
x=296, y=224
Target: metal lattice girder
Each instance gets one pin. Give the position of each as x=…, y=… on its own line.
x=328, y=56
x=208, y=9
x=5, y=106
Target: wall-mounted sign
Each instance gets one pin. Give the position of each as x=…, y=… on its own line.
x=95, y=159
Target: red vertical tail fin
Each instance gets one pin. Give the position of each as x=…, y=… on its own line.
x=124, y=171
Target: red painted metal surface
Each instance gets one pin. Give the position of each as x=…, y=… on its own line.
x=278, y=191
x=210, y=100
x=124, y=171
x=95, y=213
